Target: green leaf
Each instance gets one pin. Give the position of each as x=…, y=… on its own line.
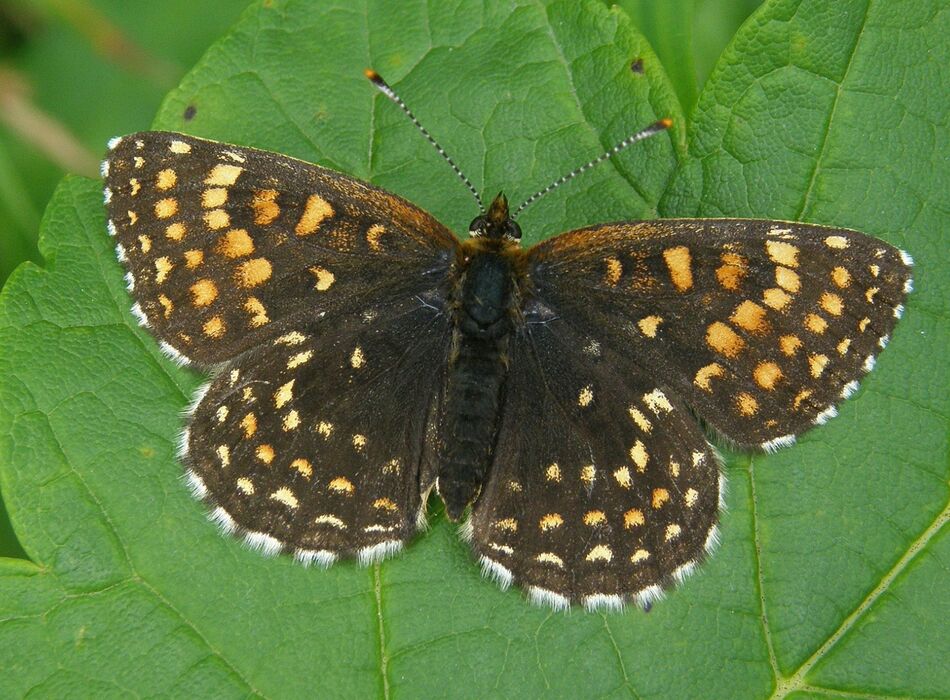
x=832, y=575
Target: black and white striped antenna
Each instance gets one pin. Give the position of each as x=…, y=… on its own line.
x=653, y=129
x=384, y=88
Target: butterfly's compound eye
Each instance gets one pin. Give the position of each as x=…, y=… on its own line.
x=478, y=227
x=513, y=231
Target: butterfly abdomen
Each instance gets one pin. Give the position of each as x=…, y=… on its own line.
x=482, y=306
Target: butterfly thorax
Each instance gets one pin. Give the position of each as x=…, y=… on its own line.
x=485, y=303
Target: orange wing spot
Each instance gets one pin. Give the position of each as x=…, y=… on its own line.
x=800, y=397
x=286, y=496
x=660, y=496
x=167, y=305
x=588, y=473
x=817, y=364
x=622, y=476
x=550, y=521
x=359, y=441
x=871, y=293
x=236, y=243
x=284, y=394
x=165, y=208
x=815, y=323
x=133, y=217
x=788, y=279
x=782, y=253
x=253, y=272
x=767, y=375
x=705, y=375
x=265, y=453
x=194, y=258
x=633, y=518
x=245, y=485
x=292, y=338
x=639, y=555
x=690, y=497
x=550, y=558
x=303, y=467
x=324, y=428
x=656, y=401
x=203, y=292
x=373, y=234
x=214, y=197
x=839, y=242
x=315, y=212
x=249, y=425
x=325, y=278
x=179, y=147
x=145, y=243
x=674, y=469
x=163, y=267
x=136, y=186
x=138, y=161
x=843, y=346
x=585, y=396
x=393, y=466
x=649, y=325
x=223, y=175
x=258, y=313
x=841, y=277
x=217, y=219
x=224, y=454
x=789, y=344
x=639, y=455
x=509, y=524
x=214, y=327
x=746, y=404
x=553, y=473
x=673, y=531
x=732, y=271
x=357, y=358
x=863, y=324
x=265, y=207
x=776, y=298
x=514, y=487
x=299, y=359
x=341, y=485
x=832, y=303
x=751, y=317
x=175, y=232
x=641, y=420
x=723, y=339
x=385, y=504
x=875, y=270
x=679, y=261
x=594, y=518
x=600, y=553
x=165, y=179
x=614, y=271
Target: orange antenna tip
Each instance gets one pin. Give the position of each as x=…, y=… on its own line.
x=665, y=123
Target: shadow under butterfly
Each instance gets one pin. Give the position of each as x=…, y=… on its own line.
x=364, y=356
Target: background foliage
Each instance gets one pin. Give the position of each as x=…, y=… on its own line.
x=832, y=579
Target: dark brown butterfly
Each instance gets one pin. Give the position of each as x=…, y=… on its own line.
x=363, y=356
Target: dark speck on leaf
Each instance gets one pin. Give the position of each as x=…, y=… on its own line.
x=637, y=66
x=190, y=112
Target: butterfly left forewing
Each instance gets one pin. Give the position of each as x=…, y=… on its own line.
x=227, y=246
x=603, y=489
x=760, y=326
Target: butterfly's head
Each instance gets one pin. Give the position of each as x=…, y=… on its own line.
x=496, y=223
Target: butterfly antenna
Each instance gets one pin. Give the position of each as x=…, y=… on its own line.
x=384, y=88
x=651, y=130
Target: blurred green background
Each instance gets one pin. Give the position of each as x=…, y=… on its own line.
x=74, y=73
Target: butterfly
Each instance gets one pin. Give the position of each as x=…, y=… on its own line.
x=363, y=357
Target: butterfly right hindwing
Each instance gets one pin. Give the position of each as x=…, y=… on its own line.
x=603, y=487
